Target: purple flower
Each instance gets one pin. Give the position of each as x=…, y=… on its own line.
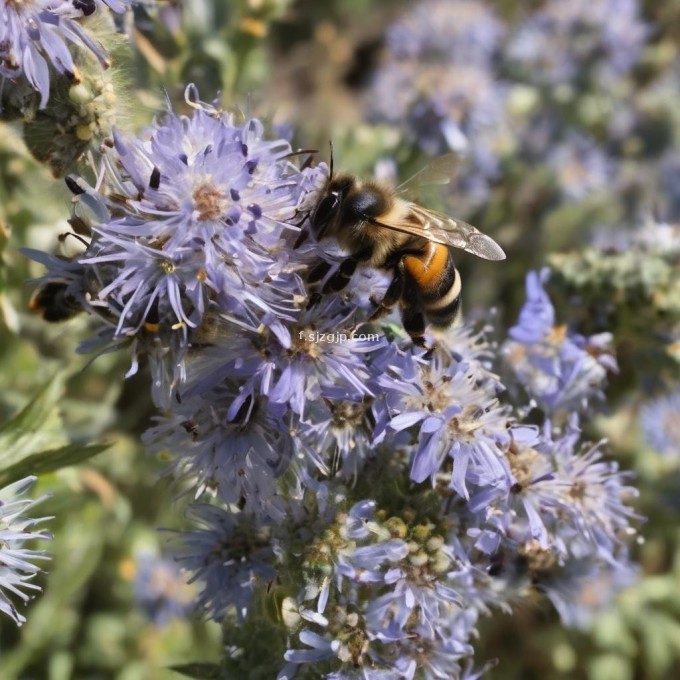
x=17, y=567
x=418, y=614
x=235, y=447
x=229, y=555
x=560, y=370
x=581, y=167
x=461, y=426
x=463, y=31
x=338, y=435
x=567, y=504
x=205, y=205
x=199, y=229
x=36, y=34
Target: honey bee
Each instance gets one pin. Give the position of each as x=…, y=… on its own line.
x=382, y=230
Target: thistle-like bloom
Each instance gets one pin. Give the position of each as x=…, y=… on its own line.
x=235, y=447
x=205, y=201
x=230, y=555
x=559, y=369
x=35, y=35
x=17, y=567
x=254, y=401
x=201, y=218
x=564, y=519
x=462, y=428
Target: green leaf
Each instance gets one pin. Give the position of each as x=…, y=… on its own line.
x=50, y=460
x=38, y=426
x=202, y=671
x=34, y=441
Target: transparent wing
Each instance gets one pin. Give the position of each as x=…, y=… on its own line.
x=439, y=171
x=440, y=228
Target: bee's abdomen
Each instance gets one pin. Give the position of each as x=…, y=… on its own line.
x=438, y=283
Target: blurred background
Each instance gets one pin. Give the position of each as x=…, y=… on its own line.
x=565, y=117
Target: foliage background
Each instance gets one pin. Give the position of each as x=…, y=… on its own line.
x=308, y=68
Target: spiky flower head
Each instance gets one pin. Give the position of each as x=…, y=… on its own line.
x=561, y=370
x=35, y=36
x=200, y=209
x=17, y=563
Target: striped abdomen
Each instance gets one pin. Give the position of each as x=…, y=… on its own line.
x=437, y=283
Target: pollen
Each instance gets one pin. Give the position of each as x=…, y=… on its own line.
x=522, y=461
x=467, y=422
x=209, y=202
x=538, y=559
x=305, y=345
x=437, y=394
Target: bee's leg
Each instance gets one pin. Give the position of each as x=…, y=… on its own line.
x=318, y=272
x=392, y=295
x=337, y=282
x=414, y=324
x=302, y=236
x=314, y=299
x=342, y=277
x=412, y=315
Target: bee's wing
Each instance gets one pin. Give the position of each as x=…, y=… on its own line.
x=441, y=228
x=441, y=170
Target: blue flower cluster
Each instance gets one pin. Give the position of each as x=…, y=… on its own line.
x=391, y=492
x=438, y=86
x=35, y=36
x=549, y=87
x=565, y=44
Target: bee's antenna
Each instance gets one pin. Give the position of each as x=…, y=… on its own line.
x=330, y=143
x=66, y=234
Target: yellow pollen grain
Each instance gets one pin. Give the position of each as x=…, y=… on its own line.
x=83, y=132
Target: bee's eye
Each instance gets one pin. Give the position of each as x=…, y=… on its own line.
x=324, y=213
